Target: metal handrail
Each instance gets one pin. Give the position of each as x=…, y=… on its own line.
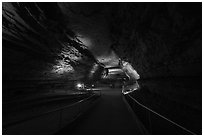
x=48, y=112
x=161, y=115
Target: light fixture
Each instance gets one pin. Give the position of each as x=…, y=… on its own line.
x=79, y=85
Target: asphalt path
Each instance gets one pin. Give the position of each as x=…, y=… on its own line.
x=109, y=116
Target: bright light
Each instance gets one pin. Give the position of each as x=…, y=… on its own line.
x=79, y=85
x=115, y=71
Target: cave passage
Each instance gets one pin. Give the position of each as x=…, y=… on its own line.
x=101, y=68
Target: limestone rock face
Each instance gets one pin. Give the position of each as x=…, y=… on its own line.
x=45, y=41
x=159, y=39
x=40, y=51
x=38, y=43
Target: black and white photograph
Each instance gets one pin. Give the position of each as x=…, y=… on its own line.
x=101, y=68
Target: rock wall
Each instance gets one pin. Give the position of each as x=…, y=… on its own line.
x=40, y=51
x=38, y=43
x=159, y=39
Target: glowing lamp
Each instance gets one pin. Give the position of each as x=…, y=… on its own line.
x=79, y=85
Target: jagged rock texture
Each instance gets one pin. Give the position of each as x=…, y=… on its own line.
x=159, y=39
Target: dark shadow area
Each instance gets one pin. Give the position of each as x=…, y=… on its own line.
x=173, y=99
x=57, y=57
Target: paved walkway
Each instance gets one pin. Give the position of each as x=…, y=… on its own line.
x=110, y=116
